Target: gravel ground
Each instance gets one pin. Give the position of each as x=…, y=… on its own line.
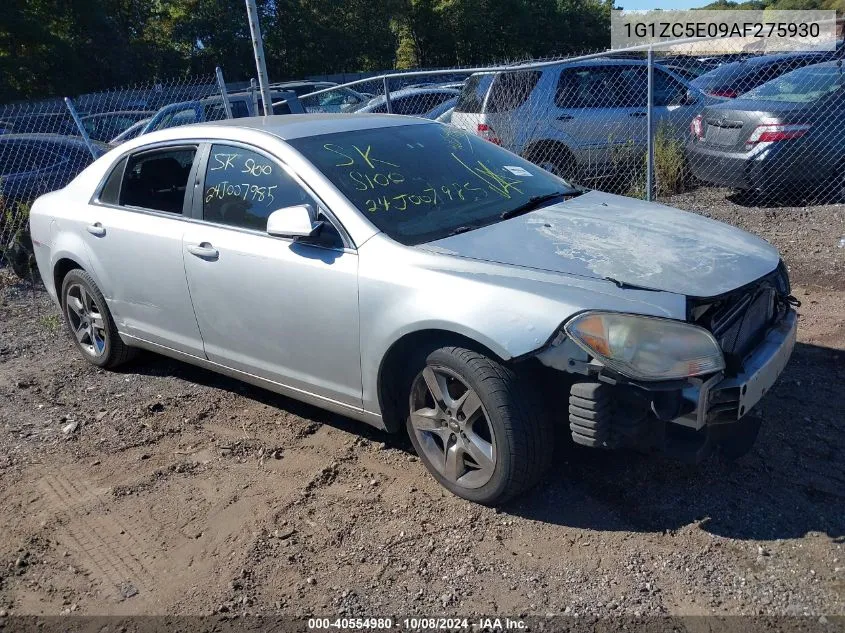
x=163, y=488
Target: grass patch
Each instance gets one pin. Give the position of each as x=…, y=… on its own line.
x=50, y=322
x=671, y=171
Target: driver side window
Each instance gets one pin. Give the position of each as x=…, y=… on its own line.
x=242, y=188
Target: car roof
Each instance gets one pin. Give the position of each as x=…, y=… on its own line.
x=780, y=57
x=405, y=92
x=598, y=61
x=42, y=137
x=118, y=113
x=46, y=137
x=291, y=126
x=302, y=82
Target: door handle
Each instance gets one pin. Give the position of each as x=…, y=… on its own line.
x=638, y=115
x=203, y=251
x=565, y=117
x=96, y=229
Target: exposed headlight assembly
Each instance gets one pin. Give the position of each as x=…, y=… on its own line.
x=646, y=348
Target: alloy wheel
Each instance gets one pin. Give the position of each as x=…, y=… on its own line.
x=86, y=321
x=452, y=427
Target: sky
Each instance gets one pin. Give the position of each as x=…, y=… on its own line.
x=633, y=5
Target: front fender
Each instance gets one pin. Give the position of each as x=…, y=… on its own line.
x=511, y=311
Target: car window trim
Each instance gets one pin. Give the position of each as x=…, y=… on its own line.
x=196, y=215
x=95, y=199
x=198, y=173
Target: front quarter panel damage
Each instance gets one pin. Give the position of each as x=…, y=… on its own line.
x=512, y=311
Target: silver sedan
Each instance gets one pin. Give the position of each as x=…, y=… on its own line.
x=416, y=277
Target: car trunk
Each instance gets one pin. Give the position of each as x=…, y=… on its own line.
x=490, y=113
x=739, y=125
x=467, y=114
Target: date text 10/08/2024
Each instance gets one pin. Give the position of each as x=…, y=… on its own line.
x=420, y=623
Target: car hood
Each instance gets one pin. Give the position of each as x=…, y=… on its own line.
x=629, y=241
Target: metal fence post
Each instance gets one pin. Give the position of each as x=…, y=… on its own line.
x=225, y=95
x=253, y=93
x=258, y=49
x=389, y=105
x=649, y=194
x=82, y=131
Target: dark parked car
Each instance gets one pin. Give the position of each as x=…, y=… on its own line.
x=106, y=125
x=33, y=164
x=411, y=101
x=785, y=133
x=42, y=123
x=340, y=100
x=731, y=80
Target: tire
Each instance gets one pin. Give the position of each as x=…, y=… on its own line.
x=90, y=323
x=556, y=159
x=504, y=444
x=20, y=255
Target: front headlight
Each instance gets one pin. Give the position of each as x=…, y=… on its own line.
x=646, y=348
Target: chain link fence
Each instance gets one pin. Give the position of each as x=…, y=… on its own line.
x=42, y=147
x=632, y=122
x=649, y=126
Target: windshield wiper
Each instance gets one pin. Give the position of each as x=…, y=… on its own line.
x=535, y=202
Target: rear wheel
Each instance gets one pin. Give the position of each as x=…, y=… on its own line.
x=90, y=323
x=477, y=426
x=556, y=159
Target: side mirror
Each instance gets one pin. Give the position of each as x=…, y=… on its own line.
x=294, y=222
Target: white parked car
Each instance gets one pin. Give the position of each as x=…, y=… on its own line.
x=416, y=277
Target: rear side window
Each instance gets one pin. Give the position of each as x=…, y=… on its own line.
x=472, y=94
x=418, y=103
x=602, y=87
x=239, y=109
x=242, y=188
x=110, y=193
x=511, y=90
x=217, y=111
x=667, y=90
x=157, y=180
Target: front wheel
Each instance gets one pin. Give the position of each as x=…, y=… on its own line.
x=478, y=427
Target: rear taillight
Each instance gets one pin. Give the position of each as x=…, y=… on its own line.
x=486, y=132
x=696, y=126
x=724, y=92
x=771, y=132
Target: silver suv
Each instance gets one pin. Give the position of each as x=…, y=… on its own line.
x=579, y=119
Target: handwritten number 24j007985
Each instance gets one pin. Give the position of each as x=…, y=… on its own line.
x=247, y=169
x=373, y=174
x=455, y=192
x=242, y=191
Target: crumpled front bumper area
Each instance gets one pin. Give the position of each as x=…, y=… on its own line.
x=685, y=421
x=729, y=399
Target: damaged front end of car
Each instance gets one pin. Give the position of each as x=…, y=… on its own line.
x=681, y=387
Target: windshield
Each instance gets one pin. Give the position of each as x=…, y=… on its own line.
x=800, y=86
x=419, y=183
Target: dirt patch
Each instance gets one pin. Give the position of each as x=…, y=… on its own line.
x=808, y=236
x=168, y=489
